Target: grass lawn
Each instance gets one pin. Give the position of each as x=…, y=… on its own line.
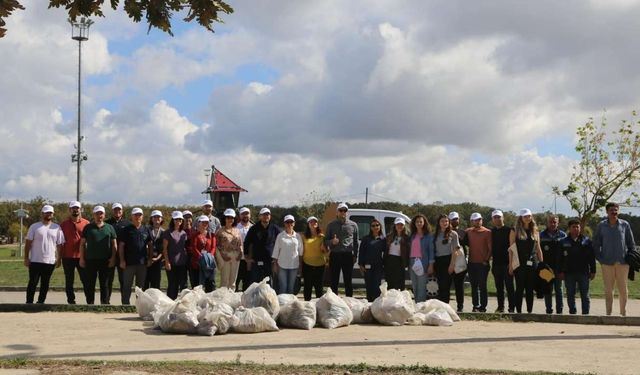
x=15, y=274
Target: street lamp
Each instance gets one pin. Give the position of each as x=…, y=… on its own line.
x=79, y=32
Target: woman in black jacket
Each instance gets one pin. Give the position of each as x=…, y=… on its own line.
x=370, y=253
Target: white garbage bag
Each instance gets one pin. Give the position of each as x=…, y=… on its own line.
x=253, y=320
x=223, y=295
x=361, y=310
x=417, y=319
x=148, y=301
x=215, y=318
x=434, y=304
x=261, y=294
x=438, y=317
x=297, y=314
x=176, y=319
x=332, y=311
x=189, y=298
x=393, y=307
x=284, y=299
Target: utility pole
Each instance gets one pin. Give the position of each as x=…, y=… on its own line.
x=366, y=196
x=21, y=213
x=79, y=32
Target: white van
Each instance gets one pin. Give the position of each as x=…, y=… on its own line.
x=364, y=216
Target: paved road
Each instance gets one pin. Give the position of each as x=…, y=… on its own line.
x=597, y=305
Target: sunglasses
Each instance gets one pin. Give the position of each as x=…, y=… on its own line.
x=288, y=222
x=342, y=210
x=375, y=225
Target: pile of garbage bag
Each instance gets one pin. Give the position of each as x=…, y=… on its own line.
x=259, y=309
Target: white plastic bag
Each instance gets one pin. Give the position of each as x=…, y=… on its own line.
x=434, y=304
x=417, y=267
x=224, y=295
x=438, y=317
x=361, y=310
x=417, y=319
x=148, y=301
x=393, y=307
x=215, y=318
x=261, y=295
x=284, y=299
x=297, y=314
x=176, y=319
x=332, y=311
x=253, y=320
x=189, y=298
x=460, y=264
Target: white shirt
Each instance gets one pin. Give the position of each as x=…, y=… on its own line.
x=288, y=249
x=45, y=240
x=394, y=248
x=243, y=230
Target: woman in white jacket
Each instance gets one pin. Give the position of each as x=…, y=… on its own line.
x=287, y=256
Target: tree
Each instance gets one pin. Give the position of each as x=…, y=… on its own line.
x=157, y=13
x=609, y=166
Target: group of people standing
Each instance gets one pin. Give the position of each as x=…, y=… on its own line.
x=244, y=252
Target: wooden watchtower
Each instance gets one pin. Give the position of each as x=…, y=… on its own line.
x=223, y=191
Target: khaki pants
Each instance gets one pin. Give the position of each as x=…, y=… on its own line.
x=228, y=270
x=615, y=275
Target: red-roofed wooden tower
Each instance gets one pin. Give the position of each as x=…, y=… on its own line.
x=223, y=191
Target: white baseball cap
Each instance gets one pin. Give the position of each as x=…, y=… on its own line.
x=399, y=220
x=312, y=218
x=74, y=204
x=289, y=218
x=203, y=218
x=186, y=212
x=243, y=210
x=342, y=205
x=98, y=209
x=116, y=205
x=207, y=202
x=265, y=210
x=475, y=216
x=136, y=211
x=230, y=212
x=497, y=213
x=156, y=213
x=176, y=215
x=524, y=212
x=453, y=215
x=47, y=208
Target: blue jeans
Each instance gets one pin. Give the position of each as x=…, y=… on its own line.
x=287, y=280
x=418, y=283
x=478, y=274
x=582, y=280
x=557, y=289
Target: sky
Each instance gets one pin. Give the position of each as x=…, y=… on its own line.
x=418, y=101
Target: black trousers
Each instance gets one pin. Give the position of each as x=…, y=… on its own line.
x=194, y=275
x=70, y=265
x=177, y=280
x=504, y=281
x=394, y=272
x=525, y=284
x=39, y=272
x=97, y=268
x=312, y=276
x=372, y=281
x=154, y=275
x=112, y=272
x=341, y=262
x=458, y=282
x=444, y=278
x=244, y=277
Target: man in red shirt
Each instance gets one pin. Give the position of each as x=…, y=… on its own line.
x=72, y=230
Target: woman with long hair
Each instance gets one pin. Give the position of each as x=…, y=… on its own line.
x=174, y=250
x=372, y=248
x=229, y=251
x=447, y=245
x=526, y=238
x=287, y=252
x=396, y=256
x=422, y=251
x=154, y=271
x=314, y=259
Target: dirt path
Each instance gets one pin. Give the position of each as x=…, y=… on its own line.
x=485, y=345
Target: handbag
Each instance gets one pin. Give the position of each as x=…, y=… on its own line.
x=460, y=264
x=515, y=261
x=417, y=267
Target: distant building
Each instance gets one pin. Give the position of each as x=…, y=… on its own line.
x=223, y=191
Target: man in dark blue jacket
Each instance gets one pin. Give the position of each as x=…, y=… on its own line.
x=579, y=266
x=258, y=247
x=550, y=239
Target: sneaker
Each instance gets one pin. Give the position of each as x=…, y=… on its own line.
x=558, y=311
x=475, y=309
x=500, y=310
x=459, y=309
x=482, y=309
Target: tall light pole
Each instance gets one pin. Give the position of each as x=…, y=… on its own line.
x=79, y=32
